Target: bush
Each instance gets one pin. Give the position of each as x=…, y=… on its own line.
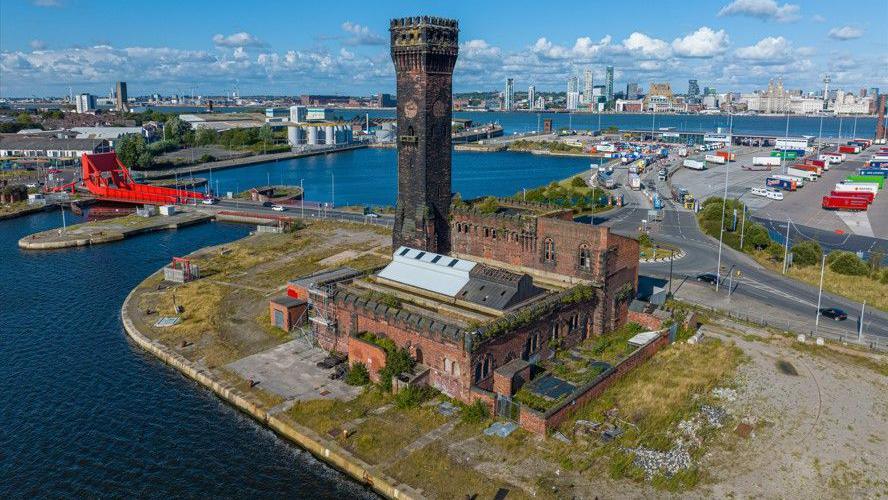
x=206, y=158
x=397, y=361
x=847, y=263
x=806, y=253
x=775, y=251
x=578, y=182
x=475, y=413
x=413, y=396
x=644, y=240
x=357, y=375
x=488, y=205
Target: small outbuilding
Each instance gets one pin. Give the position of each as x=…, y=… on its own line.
x=287, y=312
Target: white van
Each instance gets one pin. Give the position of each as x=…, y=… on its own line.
x=774, y=194
x=759, y=191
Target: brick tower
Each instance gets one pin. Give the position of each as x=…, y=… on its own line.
x=424, y=51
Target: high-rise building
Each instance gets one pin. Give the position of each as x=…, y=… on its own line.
x=874, y=92
x=587, y=86
x=862, y=91
x=826, y=95
x=85, y=103
x=693, y=89
x=122, y=102
x=632, y=90
x=609, y=83
x=573, y=94
x=508, y=95
x=531, y=97
x=424, y=51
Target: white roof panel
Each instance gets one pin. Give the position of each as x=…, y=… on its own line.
x=644, y=338
x=428, y=271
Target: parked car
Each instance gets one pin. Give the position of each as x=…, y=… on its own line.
x=707, y=278
x=210, y=201
x=833, y=313
x=278, y=208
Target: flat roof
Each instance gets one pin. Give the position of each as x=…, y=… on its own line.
x=287, y=301
x=643, y=338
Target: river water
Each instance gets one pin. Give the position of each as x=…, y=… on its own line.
x=85, y=413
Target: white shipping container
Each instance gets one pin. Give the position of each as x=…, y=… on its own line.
x=804, y=174
x=800, y=181
x=831, y=157
x=766, y=161
x=869, y=187
x=715, y=159
x=694, y=164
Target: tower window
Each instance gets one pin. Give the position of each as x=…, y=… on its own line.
x=549, y=250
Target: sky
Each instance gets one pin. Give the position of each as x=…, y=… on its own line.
x=341, y=47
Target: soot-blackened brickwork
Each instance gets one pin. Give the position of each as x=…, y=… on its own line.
x=424, y=51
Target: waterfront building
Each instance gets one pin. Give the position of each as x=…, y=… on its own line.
x=386, y=101
x=659, y=98
x=508, y=95
x=41, y=148
x=805, y=105
x=846, y=103
x=632, y=91
x=490, y=291
x=85, y=103
x=693, y=94
x=587, y=86
x=122, y=102
x=774, y=100
x=531, y=97
x=323, y=100
x=629, y=105
x=609, y=83
x=710, y=101
x=573, y=100
x=541, y=103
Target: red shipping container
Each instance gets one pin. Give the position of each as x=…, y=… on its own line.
x=816, y=163
x=865, y=195
x=849, y=149
x=844, y=203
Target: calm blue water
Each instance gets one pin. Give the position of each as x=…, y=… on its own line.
x=84, y=413
x=526, y=122
x=370, y=176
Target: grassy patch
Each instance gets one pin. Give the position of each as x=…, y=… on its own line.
x=11, y=208
x=844, y=356
x=439, y=475
x=858, y=288
x=323, y=415
x=380, y=438
x=653, y=398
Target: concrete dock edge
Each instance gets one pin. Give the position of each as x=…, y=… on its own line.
x=325, y=450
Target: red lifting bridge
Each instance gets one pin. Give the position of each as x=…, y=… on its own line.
x=108, y=179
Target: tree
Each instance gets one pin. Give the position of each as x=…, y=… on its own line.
x=578, y=182
x=205, y=136
x=847, y=263
x=23, y=118
x=174, y=129
x=132, y=151
x=806, y=253
x=266, y=135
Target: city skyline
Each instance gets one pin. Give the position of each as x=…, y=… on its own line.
x=733, y=45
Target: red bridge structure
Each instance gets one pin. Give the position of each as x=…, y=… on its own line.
x=107, y=178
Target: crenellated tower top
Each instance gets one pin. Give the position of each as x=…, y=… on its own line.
x=424, y=43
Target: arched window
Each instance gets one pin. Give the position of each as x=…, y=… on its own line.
x=585, y=257
x=549, y=250
x=418, y=355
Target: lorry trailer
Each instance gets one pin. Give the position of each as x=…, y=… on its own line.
x=694, y=164
x=715, y=159
x=844, y=203
x=849, y=149
x=877, y=172
x=810, y=168
x=834, y=158
x=804, y=174
x=784, y=184
x=765, y=161
x=867, y=179
x=866, y=195
x=857, y=186
x=726, y=155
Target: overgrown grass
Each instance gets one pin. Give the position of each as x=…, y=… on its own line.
x=324, y=415
x=654, y=397
x=380, y=438
x=11, y=208
x=439, y=475
x=858, y=288
x=844, y=356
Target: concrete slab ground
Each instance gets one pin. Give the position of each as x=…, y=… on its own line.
x=289, y=371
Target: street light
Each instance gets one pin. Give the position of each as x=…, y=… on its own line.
x=721, y=233
x=820, y=292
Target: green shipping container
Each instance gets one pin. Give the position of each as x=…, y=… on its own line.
x=786, y=155
x=871, y=179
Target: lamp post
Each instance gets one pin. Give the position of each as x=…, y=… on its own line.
x=820, y=292
x=786, y=244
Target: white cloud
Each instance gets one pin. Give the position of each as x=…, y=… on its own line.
x=762, y=9
x=37, y=44
x=478, y=49
x=361, y=35
x=240, y=40
x=817, y=18
x=583, y=50
x=642, y=45
x=704, y=42
x=769, y=49
x=845, y=33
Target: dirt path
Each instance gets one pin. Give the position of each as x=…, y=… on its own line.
x=822, y=426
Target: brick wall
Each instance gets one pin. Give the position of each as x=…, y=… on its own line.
x=373, y=356
x=649, y=321
x=540, y=423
